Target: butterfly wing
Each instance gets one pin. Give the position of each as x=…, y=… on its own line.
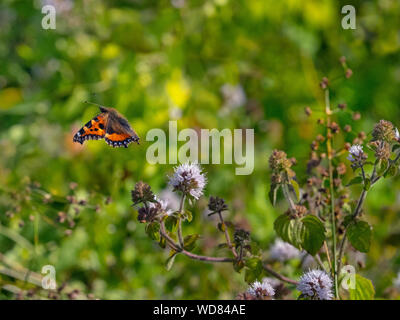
x=119, y=133
x=95, y=129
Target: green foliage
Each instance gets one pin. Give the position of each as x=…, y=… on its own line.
x=364, y=290
x=156, y=62
x=306, y=233
x=359, y=234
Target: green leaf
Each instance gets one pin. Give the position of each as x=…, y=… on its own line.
x=359, y=234
x=364, y=289
x=391, y=172
x=152, y=229
x=367, y=184
x=272, y=194
x=382, y=165
x=284, y=226
x=238, y=265
x=171, y=223
x=255, y=265
x=190, y=241
x=170, y=260
x=356, y=180
x=306, y=233
x=395, y=147
x=296, y=188
x=311, y=234
x=250, y=276
x=162, y=242
x=188, y=215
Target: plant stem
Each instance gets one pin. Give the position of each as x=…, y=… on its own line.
x=228, y=239
x=327, y=255
x=181, y=207
x=193, y=256
x=278, y=276
x=177, y=248
x=328, y=113
x=288, y=198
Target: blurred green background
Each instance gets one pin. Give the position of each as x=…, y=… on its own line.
x=208, y=64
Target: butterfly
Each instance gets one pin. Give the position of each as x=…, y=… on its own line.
x=111, y=126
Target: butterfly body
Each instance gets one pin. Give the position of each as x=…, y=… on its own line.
x=110, y=126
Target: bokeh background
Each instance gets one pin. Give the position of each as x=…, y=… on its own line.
x=208, y=64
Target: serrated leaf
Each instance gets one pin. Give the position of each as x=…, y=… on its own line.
x=306, y=233
x=188, y=215
x=312, y=234
x=162, y=242
x=364, y=289
x=284, y=227
x=238, y=265
x=255, y=265
x=359, y=235
x=296, y=188
x=171, y=223
x=250, y=276
x=153, y=230
x=391, y=172
x=190, y=241
x=170, y=260
x=356, y=180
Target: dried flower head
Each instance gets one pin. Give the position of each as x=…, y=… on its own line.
x=261, y=290
x=241, y=237
x=217, y=205
x=383, y=130
x=316, y=284
x=324, y=83
x=382, y=149
x=281, y=167
x=148, y=214
x=298, y=211
x=188, y=179
x=142, y=193
x=282, y=251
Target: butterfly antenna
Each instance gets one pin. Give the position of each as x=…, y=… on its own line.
x=96, y=104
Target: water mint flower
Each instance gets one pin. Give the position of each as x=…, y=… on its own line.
x=260, y=290
x=357, y=155
x=189, y=179
x=316, y=284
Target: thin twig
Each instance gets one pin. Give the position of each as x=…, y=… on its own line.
x=181, y=206
x=279, y=276
x=228, y=239
x=330, y=169
x=176, y=247
x=327, y=255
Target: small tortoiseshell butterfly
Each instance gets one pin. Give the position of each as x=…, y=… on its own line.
x=111, y=126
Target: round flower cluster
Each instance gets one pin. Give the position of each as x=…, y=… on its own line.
x=260, y=290
x=189, y=179
x=316, y=284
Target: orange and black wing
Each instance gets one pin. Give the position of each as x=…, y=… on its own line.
x=119, y=133
x=95, y=129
